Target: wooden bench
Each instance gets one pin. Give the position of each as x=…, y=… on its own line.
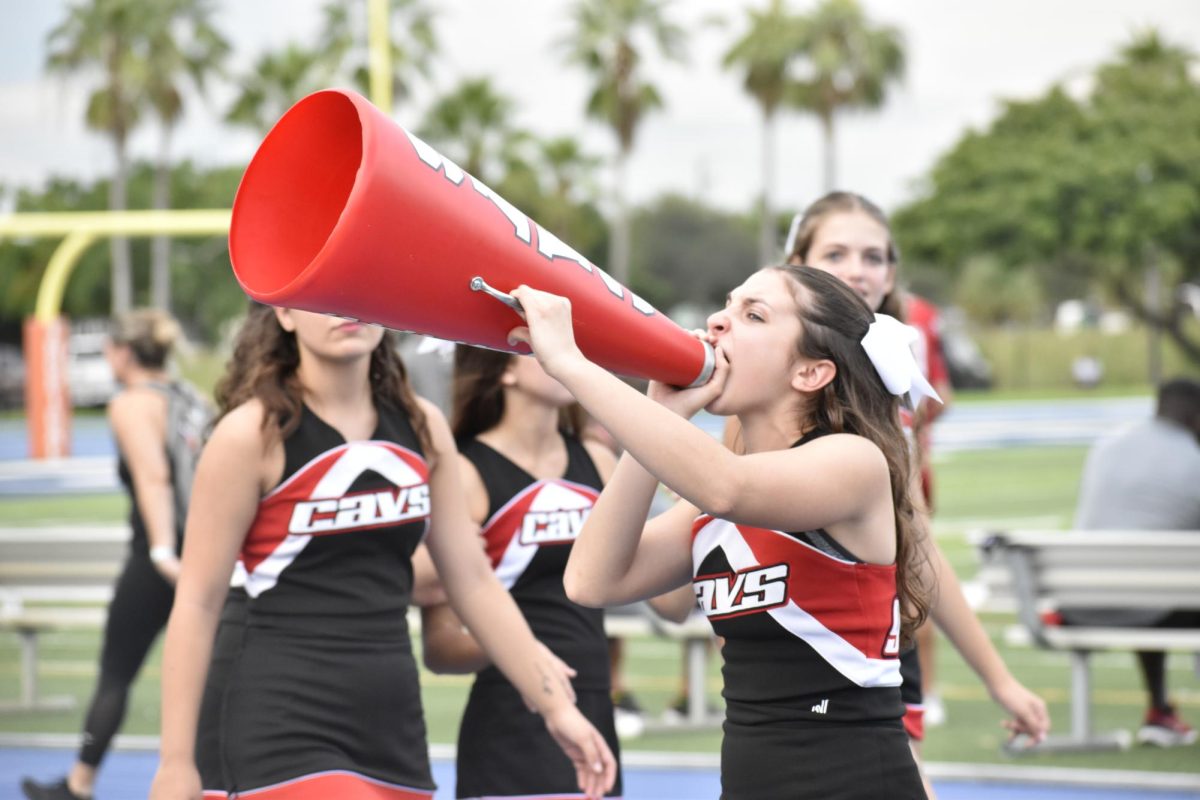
x=55, y=578
x=1036, y=573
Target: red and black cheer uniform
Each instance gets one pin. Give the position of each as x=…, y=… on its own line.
x=811, y=669
x=321, y=697
x=503, y=749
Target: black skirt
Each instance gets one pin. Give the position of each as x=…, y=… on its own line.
x=824, y=760
x=305, y=712
x=504, y=749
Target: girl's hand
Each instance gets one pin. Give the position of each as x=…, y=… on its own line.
x=1030, y=716
x=548, y=329
x=687, y=402
x=595, y=766
x=555, y=670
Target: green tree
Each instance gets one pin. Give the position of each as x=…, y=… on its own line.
x=183, y=48
x=207, y=292
x=689, y=253
x=104, y=37
x=343, y=43
x=276, y=82
x=1106, y=186
x=553, y=182
x=773, y=39
x=608, y=40
x=567, y=175
x=472, y=125
x=849, y=63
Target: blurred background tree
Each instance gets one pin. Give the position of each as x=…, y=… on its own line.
x=1090, y=190
x=609, y=40
x=1105, y=187
x=184, y=49
x=773, y=40
x=848, y=62
x=103, y=36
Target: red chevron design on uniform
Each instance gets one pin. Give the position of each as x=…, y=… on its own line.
x=327, y=477
x=501, y=533
x=862, y=618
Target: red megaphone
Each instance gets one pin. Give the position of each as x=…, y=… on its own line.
x=342, y=211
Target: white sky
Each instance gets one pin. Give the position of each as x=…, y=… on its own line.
x=963, y=57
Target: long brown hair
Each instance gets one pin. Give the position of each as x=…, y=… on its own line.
x=477, y=402
x=843, y=203
x=264, y=362
x=834, y=320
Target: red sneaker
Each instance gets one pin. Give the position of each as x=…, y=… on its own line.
x=1164, y=728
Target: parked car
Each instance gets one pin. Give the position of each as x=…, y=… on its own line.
x=964, y=360
x=89, y=379
x=12, y=376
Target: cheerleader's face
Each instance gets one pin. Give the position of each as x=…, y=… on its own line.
x=330, y=338
x=524, y=375
x=853, y=245
x=757, y=330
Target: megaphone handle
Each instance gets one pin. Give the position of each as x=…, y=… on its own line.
x=478, y=284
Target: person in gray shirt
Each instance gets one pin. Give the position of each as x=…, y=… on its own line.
x=1147, y=477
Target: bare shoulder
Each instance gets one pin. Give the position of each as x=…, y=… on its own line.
x=242, y=428
x=471, y=478
x=849, y=452
x=604, y=459
x=434, y=417
x=138, y=403
x=439, y=431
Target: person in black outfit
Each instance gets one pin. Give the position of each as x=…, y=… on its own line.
x=137, y=352
x=530, y=481
x=801, y=551
x=321, y=478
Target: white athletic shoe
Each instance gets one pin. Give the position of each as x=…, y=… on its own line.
x=1165, y=729
x=629, y=724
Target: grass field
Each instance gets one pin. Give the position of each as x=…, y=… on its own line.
x=1022, y=487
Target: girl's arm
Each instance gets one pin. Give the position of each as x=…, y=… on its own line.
x=225, y=495
x=138, y=420
x=954, y=617
x=494, y=621
x=447, y=647
x=760, y=489
x=619, y=557
x=676, y=605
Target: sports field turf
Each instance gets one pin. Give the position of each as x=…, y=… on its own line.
x=1016, y=487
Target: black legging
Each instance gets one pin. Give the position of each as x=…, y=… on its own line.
x=139, y=610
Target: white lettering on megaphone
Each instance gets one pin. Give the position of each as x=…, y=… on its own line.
x=436, y=160
x=642, y=306
x=519, y=221
x=548, y=244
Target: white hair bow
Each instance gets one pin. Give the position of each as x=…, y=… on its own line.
x=889, y=346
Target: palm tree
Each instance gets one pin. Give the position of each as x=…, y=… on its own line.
x=472, y=125
x=774, y=38
x=102, y=34
x=850, y=63
x=605, y=42
x=567, y=169
x=275, y=83
x=183, y=44
x=343, y=44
